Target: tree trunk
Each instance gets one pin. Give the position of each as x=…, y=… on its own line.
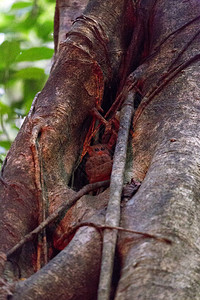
x=157, y=42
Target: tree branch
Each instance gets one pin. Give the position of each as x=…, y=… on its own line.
x=85, y=190
x=103, y=227
x=113, y=210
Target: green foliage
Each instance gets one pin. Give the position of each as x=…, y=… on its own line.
x=26, y=47
x=35, y=53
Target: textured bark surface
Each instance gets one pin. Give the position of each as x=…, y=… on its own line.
x=57, y=280
x=158, y=43
x=166, y=146
x=66, y=13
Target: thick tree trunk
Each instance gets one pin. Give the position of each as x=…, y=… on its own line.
x=164, y=60
x=166, y=146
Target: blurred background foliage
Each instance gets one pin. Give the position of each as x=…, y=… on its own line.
x=26, y=49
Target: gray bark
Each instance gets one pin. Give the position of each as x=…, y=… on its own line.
x=166, y=157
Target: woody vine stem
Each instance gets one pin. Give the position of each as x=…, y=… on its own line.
x=113, y=209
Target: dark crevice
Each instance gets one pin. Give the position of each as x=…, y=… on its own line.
x=116, y=275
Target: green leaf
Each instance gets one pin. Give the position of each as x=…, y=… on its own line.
x=6, y=76
x=4, y=109
x=5, y=22
x=21, y=4
x=5, y=144
x=45, y=30
x=30, y=73
x=36, y=53
x=9, y=52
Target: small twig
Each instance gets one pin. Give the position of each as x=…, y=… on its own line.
x=103, y=227
x=120, y=98
x=96, y=114
x=85, y=190
x=116, y=186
